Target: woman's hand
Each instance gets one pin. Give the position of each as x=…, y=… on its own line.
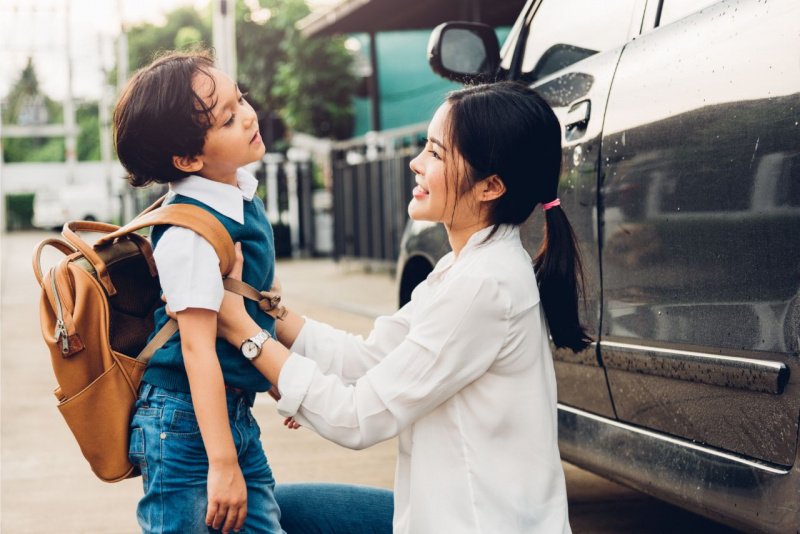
x=289, y=422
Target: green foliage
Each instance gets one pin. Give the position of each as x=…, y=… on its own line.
x=36, y=149
x=22, y=98
x=188, y=36
x=308, y=80
x=316, y=87
x=185, y=27
x=88, y=121
x=19, y=211
x=259, y=52
x=24, y=94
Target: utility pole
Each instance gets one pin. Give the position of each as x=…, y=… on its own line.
x=224, y=35
x=70, y=139
x=104, y=116
x=122, y=52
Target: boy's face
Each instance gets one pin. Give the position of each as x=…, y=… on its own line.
x=233, y=139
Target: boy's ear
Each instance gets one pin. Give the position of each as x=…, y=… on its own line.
x=491, y=188
x=187, y=164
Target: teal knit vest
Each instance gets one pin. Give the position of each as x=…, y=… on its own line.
x=166, y=368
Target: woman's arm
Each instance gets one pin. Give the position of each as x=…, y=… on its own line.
x=459, y=338
x=227, y=492
x=335, y=351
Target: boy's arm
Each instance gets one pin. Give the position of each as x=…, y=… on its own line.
x=227, y=492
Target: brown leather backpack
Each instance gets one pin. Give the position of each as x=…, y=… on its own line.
x=96, y=314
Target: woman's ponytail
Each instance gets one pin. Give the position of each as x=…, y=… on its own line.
x=507, y=129
x=559, y=271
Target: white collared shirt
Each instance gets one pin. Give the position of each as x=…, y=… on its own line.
x=463, y=374
x=188, y=266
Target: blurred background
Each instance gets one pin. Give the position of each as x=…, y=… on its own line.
x=337, y=85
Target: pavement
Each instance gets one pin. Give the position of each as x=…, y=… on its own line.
x=46, y=485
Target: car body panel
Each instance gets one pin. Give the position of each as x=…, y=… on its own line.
x=701, y=225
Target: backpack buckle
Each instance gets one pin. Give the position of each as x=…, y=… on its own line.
x=269, y=302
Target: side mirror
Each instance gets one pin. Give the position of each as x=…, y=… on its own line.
x=464, y=52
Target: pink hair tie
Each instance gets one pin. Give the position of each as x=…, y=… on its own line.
x=552, y=204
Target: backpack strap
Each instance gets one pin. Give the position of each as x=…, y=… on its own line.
x=188, y=216
x=161, y=337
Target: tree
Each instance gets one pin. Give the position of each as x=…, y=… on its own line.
x=310, y=81
x=185, y=27
x=27, y=104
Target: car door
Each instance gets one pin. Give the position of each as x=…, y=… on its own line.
x=571, y=64
x=700, y=229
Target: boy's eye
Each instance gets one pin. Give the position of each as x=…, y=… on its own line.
x=241, y=98
x=230, y=121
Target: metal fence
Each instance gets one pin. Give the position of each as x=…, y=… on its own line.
x=372, y=186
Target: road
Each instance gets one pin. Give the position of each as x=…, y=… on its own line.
x=46, y=485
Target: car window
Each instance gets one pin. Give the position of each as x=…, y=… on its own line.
x=564, y=32
x=672, y=10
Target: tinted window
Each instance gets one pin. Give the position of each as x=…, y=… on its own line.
x=564, y=32
x=672, y=10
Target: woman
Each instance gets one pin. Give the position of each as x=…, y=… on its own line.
x=463, y=373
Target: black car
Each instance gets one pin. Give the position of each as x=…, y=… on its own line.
x=681, y=176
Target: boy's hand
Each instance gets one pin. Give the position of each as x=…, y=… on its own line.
x=227, y=498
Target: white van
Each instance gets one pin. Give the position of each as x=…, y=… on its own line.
x=53, y=207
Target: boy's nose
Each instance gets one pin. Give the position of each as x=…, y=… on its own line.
x=250, y=117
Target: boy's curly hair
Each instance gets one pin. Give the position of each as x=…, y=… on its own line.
x=160, y=115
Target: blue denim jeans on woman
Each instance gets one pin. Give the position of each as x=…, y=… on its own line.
x=167, y=446
x=316, y=508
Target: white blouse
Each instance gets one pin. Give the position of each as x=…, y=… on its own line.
x=463, y=374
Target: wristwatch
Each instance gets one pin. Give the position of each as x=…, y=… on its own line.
x=251, y=348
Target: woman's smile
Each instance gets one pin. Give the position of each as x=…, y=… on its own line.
x=420, y=192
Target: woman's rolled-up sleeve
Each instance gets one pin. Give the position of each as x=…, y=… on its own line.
x=457, y=337
x=349, y=356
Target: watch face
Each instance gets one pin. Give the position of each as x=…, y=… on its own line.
x=250, y=349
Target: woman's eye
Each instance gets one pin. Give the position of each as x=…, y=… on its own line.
x=435, y=155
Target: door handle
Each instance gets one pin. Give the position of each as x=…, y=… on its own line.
x=578, y=114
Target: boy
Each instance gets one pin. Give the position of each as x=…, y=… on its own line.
x=183, y=122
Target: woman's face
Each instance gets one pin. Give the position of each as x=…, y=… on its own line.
x=436, y=199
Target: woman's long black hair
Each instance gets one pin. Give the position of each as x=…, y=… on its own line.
x=507, y=129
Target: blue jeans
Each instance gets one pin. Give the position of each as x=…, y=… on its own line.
x=335, y=509
x=167, y=446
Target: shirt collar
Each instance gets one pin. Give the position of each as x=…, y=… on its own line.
x=224, y=198
x=505, y=232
